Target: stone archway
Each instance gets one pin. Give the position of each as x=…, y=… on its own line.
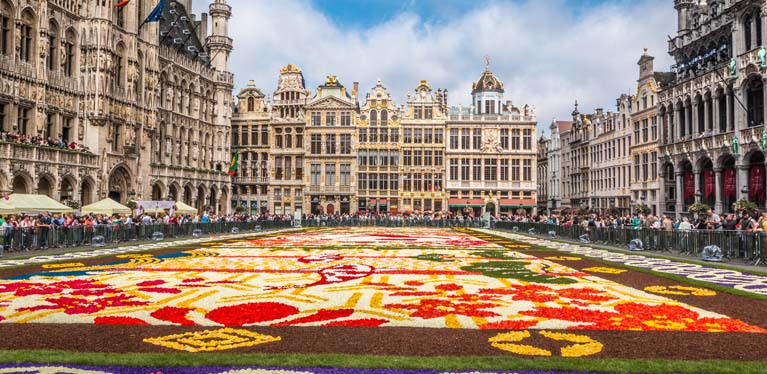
x=120, y=183
x=21, y=184
x=188, y=194
x=86, y=192
x=200, y=203
x=45, y=187
x=67, y=190
x=173, y=192
x=213, y=200
x=157, y=192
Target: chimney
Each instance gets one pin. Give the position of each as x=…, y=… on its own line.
x=202, y=30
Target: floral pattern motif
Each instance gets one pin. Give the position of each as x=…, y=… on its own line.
x=434, y=278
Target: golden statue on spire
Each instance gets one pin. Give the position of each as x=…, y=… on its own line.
x=487, y=62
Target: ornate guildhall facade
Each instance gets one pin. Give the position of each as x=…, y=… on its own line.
x=145, y=107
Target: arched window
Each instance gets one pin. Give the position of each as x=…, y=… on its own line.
x=69, y=53
x=384, y=118
x=251, y=104
x=138, y=85
x=27, y=35
x=180, y=97
x=190, y=92
x=6, y=27
x=755, y=102
x=119, y=66
x=52, y=60
x=373, y=118
x=747, y=21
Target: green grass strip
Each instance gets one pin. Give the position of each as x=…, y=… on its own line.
x=370, y=362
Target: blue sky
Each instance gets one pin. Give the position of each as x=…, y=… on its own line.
x=548, y=52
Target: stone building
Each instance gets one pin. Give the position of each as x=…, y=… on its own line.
x=150, y=102
x=712, y=113
x=544, y=146
x=378, y=153
x=491, y=153
x=555, y=164
x=331, y=133
x=423, y=150
x=251, y=140
x=645, y=184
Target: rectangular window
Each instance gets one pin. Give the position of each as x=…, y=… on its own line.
x=316, y=146
x=330, y=174
x=417, y=158
x=407, y=183
x=330, y=119
x=264, y=135
x=66, y=129
x=299, y=168
x=315, y=170
x=645, y=166
x=515, y=169
x=465, y=139
x=417, y=182
x=25, y=49
x=427, y=158
x=477, y=170
x=69, y=62
x=453, y=169
x=645, y=134
x=438, y=158
x=373, y=135
x=427, y=114
x=407, y=135
x=316, y=119
x=476, y=139
x=654, y=165
x=439, y=137
x=384, y=138
x=363, y=135
x=465, y=169
x=3, y=115
x=528, y=171
x=288, y=167
x=636, y=132
x=418, y=112
x=515, y=140
x=346, y=175
x=394, y=135
x=504, y=169
x=278, y=171
x=528, y=140
x=453, y=138
x=346, y=144
x=5, y=34
x=491, y=169
x=428, y=137
x=346, y=119
x=330, y=144
x=22, y=121
x=362, y=181
x=254, y=135
x=394, y=182
x=418, y=136
x=505, y=139
x=655, y=128
x=636, y=167
x=407, y=158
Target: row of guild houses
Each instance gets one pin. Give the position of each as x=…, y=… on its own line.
x=327, y=153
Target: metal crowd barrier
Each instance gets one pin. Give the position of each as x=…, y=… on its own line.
x=41, y=238
x=734, y=244
x=382, y=222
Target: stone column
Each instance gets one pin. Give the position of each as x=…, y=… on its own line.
x=764, y=117
x=679, y=193
x=688, y=118
x=695, y=120
x=677, y=125
x=718, y=184
x=742, y=180
x=706, y=114
x=696, y=175
x=715, y=121
x=728, y=103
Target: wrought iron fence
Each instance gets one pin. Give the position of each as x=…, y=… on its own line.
x=734, y=244
x=41, y=238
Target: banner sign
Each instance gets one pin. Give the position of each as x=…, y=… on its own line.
x=708, y=183
x=756, y=185
x=689, y=185
x=730, y=185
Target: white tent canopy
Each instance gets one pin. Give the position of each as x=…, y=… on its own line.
x=22, y=203
x=106, y=207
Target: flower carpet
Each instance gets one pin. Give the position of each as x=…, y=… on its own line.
x=369, y=291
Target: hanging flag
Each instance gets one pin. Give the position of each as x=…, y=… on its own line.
x=156, y=13
x=708, y=183
x=233, y=166
x=122, y=3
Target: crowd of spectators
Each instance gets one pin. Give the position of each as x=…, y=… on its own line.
x=40, y=141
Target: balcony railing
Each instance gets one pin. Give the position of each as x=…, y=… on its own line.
x=26, y=153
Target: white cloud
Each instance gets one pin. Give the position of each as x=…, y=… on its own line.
x=546, y=54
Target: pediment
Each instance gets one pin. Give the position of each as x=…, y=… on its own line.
x=330, y=102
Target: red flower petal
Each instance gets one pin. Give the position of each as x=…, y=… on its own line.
x=119, y=321
x=151, y=283
x=245, y=314
x=322, y=315
x=370, y=322
x=173, y=314
x=160, y=290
